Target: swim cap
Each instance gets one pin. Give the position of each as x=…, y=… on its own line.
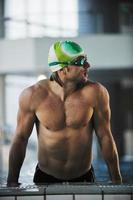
x=61, y=53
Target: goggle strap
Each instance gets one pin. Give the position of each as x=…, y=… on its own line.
x=57, y=63
x=79, y=62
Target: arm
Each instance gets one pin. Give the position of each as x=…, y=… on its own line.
x=25, y=122
x=103, y=131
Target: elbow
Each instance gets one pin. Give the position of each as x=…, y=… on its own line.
x=109, y=150
x=18, y=148
x=20, y=140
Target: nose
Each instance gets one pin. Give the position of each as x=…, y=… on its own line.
x=86, y=65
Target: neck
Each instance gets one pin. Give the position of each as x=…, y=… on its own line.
x=66, y=88
x=72, y=86
x=55, y=77
x=69, y=87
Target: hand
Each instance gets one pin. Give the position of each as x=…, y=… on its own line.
x=13, y=184
x=117, y=181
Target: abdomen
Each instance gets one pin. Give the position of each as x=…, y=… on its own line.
x=66, y=153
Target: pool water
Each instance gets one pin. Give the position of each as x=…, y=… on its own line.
x=100, y=169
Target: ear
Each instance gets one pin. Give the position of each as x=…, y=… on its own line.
x=65, y=70
x=61, y=72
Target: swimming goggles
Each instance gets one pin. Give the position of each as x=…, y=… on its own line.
x=77, y=62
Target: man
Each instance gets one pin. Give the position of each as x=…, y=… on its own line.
x=65, y=109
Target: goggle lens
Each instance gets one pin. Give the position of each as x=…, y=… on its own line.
x=79, y=62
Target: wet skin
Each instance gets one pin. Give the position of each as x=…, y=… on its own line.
x=65, y=118
x=65, y=134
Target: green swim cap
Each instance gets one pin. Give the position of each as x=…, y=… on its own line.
x=61, y=53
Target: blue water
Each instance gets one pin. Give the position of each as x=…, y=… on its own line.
x=102, y=174
x=100, y=168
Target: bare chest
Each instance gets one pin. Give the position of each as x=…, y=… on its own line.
x=55, y=114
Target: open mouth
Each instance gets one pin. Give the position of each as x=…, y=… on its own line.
x=85, y=74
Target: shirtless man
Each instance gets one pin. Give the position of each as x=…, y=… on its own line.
x=65, y=109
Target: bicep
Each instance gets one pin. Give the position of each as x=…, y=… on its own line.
x=25, y=123
x=102, y=115
x=103, y=130
x=25, y=116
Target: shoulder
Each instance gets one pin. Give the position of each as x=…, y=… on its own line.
x=101, y=94
x=97, y=87
x=98, y=92
x=100, y=89
x=32, y=95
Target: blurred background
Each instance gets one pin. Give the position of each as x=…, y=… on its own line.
x=104, y=29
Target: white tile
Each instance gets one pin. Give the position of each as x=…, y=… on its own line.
x=30, y=197
x=88, y=197
x=59, y=197
x=117, y=197
x=7, y=198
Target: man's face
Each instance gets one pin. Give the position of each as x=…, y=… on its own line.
x=78, y=71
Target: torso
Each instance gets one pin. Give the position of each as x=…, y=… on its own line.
x=65, y=133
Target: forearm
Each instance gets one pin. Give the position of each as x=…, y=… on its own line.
x=110, y=155
x=16, y=158
x=114, y=169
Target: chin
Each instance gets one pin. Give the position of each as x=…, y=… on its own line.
x=78, y=79
x=83, y=78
